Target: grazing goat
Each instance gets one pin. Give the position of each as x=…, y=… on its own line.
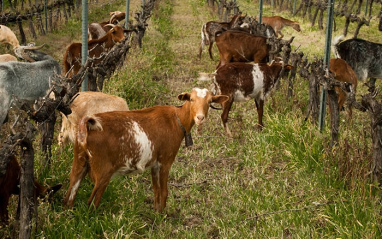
x=236, y=46
x=210, y=28
x=278, y=23
x=123, y=142
x=9, y=185
x=244, y=81
x=98, y=30
x=87, y=103
x=7, y=58
x=72, y=55
x=344, y=73
x=364, y=57
x=8, y=37
x=24, y=80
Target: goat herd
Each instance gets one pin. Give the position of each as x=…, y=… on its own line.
x=109, y=139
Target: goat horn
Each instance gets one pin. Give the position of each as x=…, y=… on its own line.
x=215, y=108
x=112, y=26
x=32, y=47
x=112, y=18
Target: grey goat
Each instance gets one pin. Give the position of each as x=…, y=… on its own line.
x=25, y=80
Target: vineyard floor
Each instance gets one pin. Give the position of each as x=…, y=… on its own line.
x=283, y=182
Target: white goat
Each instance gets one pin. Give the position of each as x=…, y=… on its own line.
x=87, y=103
x=7, y=58
x=8, y=37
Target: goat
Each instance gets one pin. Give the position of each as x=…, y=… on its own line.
x=344, y=73
x=210, y=28
x=278, y=23
x=72, y=55
x=9, y=185
x=123, y=142
x=364, y=57
x=236, y=46
x=98, y=30
x=87, y=103
x=7, y=58
x=253, y=27
x=8, y=37
x=24, y=80
x=244, y=81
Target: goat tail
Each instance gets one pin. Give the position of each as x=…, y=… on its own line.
x=337, y=40
x=205, y=76
x=335, y=43
x=204, y=35
x=87, y=123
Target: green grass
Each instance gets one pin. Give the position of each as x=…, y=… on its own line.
x=283, y=182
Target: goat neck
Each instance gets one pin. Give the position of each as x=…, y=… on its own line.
x=184, y=115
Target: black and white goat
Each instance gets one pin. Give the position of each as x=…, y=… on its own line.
x=363, y=56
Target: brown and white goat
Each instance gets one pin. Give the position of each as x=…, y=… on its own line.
x=8, y=37
x=87, y=103
x=278, y=23
x=245, y=81
x=210, y=28
x=344, y=73
x=236, y=46
x=72, y=56
x=9, y=185
x=123, y=142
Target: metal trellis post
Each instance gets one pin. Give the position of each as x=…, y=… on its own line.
x=328, y=42
x=46, y=15
x=84, y=50
x=261, y=11
x=127, y=13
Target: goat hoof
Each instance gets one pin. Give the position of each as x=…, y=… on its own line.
x=259, y=128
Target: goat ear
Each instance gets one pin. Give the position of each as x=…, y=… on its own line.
x=184, y=96
x=220, y=98
x=288, y=67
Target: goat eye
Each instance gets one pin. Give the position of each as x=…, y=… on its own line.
x=191, y=100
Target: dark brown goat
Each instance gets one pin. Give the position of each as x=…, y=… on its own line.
x=236, y=46
x=9, y=185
